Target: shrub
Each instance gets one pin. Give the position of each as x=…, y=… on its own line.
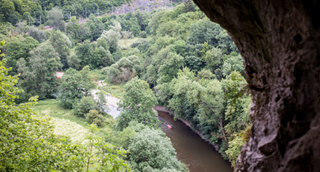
x=84, y=106
x=143, y=34
x=94, y=117
x=138, y=42
x=105, y=70
x=126, y=35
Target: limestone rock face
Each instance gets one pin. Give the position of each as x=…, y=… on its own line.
x=280, y=43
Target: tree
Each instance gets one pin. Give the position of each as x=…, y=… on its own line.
x=106, y=57
x=96, y=27
x=13, y=18
x=74, y=62
x=232, y=63
x=167, y=71
x=112, y=36
x=137, y=104
x=55, y=19
x=93, y=117
x=37, y=34
x=124, y=70
x=142, y=19
x=202, y=31
x=84, y=52
x=27, y=142
x=62, y=45
x=38, y=76
x=194, y=63
x=101, y=102
x=149, y=148
x=84, y=105
x=102, y=156
x=17, y=49
x=22, y=27
x=74, y=85
x=7, y=7
x=73, y=28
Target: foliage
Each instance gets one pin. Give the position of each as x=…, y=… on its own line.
x=124, y=69
x=92, y=55
x=143, y=34
x=37, y=34
x=137, y=104
x=19, y=48
x=74, y=85
x=233, y=63
x=62, y=45
x=84, y=105
x=28, y=143
x=95, y=26
x=74, y=62
x=101, y=102
x=55, y=19
x=194, y=63
x=38, y=75
x=137, y=43
x=149, y=149
x=234, y=149
x=93, y=117
x=112, y=36
x=102, y=156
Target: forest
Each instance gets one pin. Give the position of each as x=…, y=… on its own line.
x=172, y=56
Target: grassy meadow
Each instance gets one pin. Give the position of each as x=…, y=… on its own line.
x=65, y=122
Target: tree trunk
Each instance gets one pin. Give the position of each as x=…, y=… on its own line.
x=280, y=43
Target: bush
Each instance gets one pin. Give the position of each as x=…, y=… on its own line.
x=124, y=70
x=94, y=117
x=143, y=34
x=105, y=70
x=138, y=42
x=84, y=106
x=126, y=35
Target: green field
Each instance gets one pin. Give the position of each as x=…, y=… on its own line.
x=65, y=122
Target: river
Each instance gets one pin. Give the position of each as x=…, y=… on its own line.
x=196, y=153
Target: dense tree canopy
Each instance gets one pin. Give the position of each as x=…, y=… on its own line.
x=137, y=103
x=38, y=73
x=27, y=142
x=19, y=48
x=74, y=85
x=149, y=151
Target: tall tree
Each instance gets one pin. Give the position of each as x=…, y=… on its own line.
x=38, y=76
x=7, y=7
x=55, y=19
x=17, y=49
x=112, y=36
x=137, y=104
x=62, y=45
x=27, y=142
x=96, y=27
x=149, y=151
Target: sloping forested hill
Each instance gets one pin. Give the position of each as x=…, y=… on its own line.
x=174, y=57
x=15, y=10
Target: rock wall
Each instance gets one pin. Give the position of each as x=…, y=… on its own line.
x=280, y=43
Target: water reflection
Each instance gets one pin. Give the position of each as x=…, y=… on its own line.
x=196, y=153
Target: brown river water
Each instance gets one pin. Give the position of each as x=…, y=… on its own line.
x=197, y=154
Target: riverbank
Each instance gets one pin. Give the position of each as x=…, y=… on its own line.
x=186, y=122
